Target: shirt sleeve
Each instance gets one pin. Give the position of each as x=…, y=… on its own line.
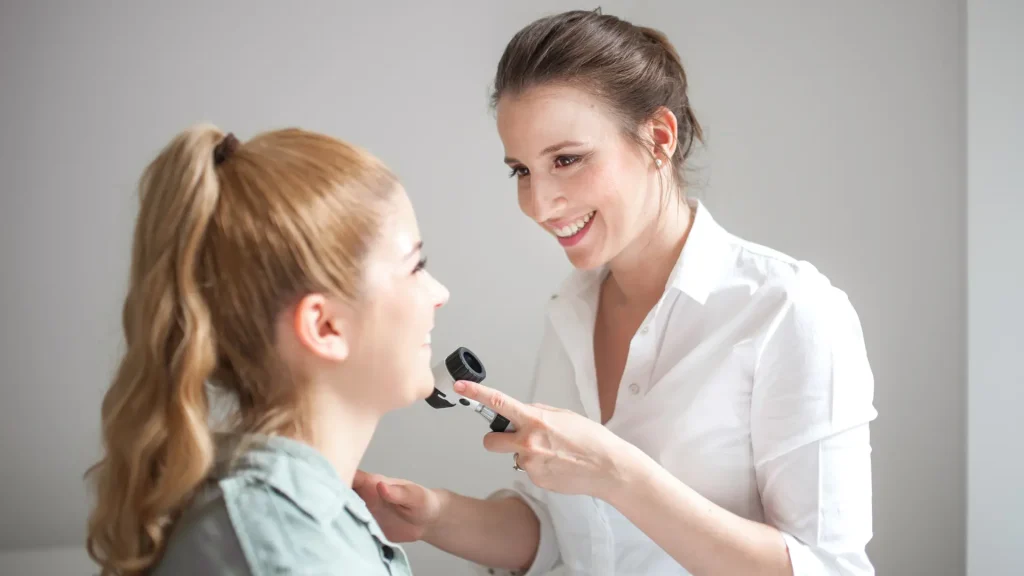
x=810, y=411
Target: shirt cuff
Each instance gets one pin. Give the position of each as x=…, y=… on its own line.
x=808, y=561
x=547, y=550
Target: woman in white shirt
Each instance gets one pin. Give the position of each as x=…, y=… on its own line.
x=701, y=403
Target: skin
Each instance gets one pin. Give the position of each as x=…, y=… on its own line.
x=570, y=157
x=335, y=346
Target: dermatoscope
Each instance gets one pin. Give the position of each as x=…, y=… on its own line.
x=462, y=364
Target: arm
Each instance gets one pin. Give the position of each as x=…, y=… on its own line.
x=510, y=530
x=498, y=533
x=571, y=454
x=810, y=409
x=703, y=537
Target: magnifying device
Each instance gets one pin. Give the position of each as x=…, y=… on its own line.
x=462, y=364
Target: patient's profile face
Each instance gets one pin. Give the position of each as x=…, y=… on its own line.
x=391, y=344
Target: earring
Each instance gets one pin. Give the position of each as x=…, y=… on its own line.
x=657, y=162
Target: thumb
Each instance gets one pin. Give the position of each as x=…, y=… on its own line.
x=395, y=493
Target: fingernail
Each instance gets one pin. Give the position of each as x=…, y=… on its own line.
x=460, y=386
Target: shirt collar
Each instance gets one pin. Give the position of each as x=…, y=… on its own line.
x=695, y=273
x=703, y=258
x=295, y=469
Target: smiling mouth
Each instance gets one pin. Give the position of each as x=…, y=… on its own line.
x=574, y=228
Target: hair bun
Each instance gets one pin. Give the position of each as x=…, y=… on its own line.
x=225, y=149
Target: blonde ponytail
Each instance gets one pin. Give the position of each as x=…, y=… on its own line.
x=158, y=445
x=227, y=236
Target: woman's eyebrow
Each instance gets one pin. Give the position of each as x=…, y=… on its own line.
x=417, y=248
x=549, y=150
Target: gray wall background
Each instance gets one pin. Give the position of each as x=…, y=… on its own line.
x=995, y=237
x=836, y=134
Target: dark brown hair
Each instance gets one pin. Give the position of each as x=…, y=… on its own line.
x=634, y=69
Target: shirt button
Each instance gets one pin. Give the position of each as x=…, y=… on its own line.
x=634, y=388
x=644, y=329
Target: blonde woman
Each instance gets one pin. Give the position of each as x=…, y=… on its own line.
x=286, y=272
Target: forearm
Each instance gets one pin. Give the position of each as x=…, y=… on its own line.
x=500, y=533
x=703, y=537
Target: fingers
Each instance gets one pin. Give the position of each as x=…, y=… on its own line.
x=517, y=412
x=502, y=442
x=361, y=480
x=388, y=489
x=399, y=493
x=393, y=493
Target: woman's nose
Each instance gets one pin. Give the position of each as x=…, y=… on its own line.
x=442, y=295
x=543, y=200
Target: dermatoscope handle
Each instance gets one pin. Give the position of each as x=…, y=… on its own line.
x=462, y=364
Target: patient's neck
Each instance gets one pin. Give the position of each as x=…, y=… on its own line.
x=340, y=430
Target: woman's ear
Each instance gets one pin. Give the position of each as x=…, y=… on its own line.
x=663, y=126
x=322, y=328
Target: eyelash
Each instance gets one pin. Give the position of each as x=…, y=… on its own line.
x=571, y=159
x=420, y=266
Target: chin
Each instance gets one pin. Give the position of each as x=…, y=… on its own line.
x=586, y=259
x=425, y=386
x=589, y=254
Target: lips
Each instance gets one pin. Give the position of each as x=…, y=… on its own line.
x=573, y=227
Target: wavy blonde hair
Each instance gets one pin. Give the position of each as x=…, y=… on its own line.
x=220, y=250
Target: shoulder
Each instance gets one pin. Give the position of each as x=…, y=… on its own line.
x=279, y=531
x=247, y=526
x=811, y=359
x=203, y=541
x=791, y=292
x=274, y=505
x=777, y=271
x=805, y=320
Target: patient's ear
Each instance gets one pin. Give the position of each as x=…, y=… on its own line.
x=322, y=327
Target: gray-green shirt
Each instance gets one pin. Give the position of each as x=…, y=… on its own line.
x=278, y=508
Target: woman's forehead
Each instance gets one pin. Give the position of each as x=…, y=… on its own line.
x=400, y=236
x=543, y=116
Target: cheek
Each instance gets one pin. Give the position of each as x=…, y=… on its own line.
x=523, y=197
x=623, y=190
x=602, y=188
x=412, y=310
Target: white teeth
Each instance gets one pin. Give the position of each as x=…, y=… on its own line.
x=573, y=228
x=427, y=341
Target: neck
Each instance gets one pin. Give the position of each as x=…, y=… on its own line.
x=638, y=275
x=340, y=429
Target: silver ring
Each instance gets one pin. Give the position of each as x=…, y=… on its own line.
x=515, y=465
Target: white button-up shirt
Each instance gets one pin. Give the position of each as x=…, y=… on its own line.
x=748, y=381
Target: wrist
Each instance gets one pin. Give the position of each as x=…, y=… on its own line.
x=631, y=471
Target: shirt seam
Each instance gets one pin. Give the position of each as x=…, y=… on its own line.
x=234, y=515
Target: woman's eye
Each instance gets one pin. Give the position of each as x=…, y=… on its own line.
x=420, y=266
x=519, y=171
x=563, y=161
